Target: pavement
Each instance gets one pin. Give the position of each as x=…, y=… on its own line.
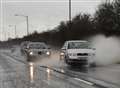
x=16, y=72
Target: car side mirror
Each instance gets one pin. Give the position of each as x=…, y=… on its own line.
x=63, y=48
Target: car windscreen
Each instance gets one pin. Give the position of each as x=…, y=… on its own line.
x=37, y=46
x=79, y=45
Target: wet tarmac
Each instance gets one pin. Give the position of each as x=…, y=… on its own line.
x=53, y=73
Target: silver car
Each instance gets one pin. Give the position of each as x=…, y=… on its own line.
x=38, y=49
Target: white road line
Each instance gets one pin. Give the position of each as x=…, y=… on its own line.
x=86, y=82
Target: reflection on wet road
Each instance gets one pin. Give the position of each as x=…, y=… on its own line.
x=50, y=77
x=48, y=74
x=31, y=69
x=58, y=74
x=53, y=75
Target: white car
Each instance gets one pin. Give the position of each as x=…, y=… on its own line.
x=77, y=52
x=37, y=49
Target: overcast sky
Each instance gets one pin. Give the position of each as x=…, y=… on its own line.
x=43, y=14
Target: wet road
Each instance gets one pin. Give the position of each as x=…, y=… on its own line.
x=16, y=73
x=110, y=73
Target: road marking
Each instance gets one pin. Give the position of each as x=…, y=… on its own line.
x=86, y=82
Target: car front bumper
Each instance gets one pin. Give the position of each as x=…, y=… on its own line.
x=79, y=60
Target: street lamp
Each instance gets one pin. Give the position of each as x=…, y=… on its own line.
x=14, y=29
x=26, y=22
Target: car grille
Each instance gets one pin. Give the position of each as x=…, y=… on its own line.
x=82, y=54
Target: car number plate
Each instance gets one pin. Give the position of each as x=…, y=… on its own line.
x=82, y=58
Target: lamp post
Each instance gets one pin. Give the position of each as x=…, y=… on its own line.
x=70, y=15
x=14, y=29
x=70, y=10
x=27, y=22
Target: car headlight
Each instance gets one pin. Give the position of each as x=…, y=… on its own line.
x=69, y=54
x=48, y=53
x=62, y=54
x=31, y=53
x=72, y=54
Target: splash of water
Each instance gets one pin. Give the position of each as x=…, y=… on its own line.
x=107, y=49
